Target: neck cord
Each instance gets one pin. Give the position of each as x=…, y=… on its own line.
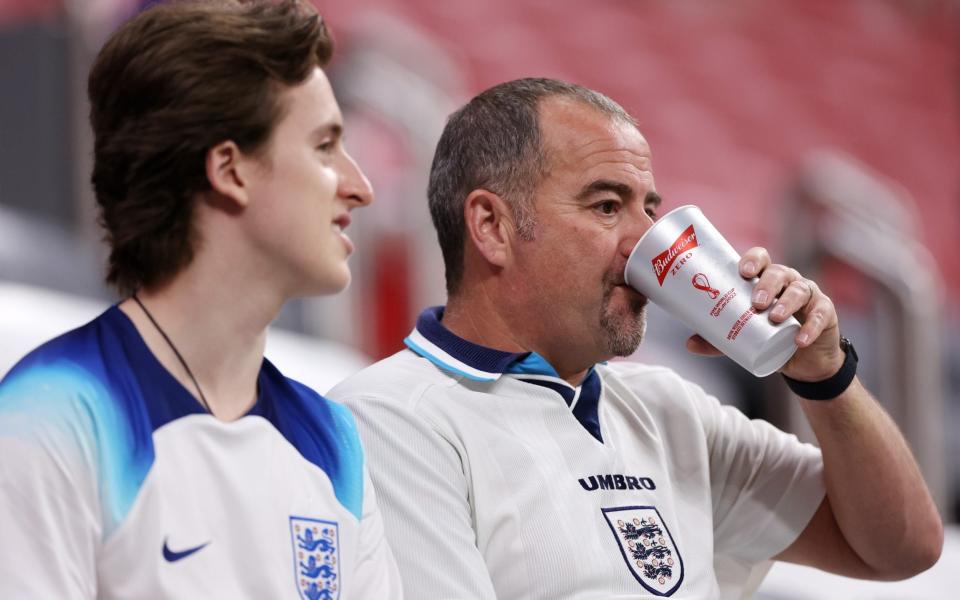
x=203, y=399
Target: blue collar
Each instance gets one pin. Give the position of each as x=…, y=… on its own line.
x=433, y=341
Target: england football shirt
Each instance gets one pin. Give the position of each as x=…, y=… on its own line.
x=114, y=483
x=498, y=479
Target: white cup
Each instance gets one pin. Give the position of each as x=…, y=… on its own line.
x=684, y=265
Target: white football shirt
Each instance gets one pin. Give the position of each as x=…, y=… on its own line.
x=498, y=479
x=115, y=484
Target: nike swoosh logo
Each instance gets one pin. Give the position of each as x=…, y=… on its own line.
x=173, y=556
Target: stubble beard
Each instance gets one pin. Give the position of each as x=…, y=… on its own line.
x=622, y=330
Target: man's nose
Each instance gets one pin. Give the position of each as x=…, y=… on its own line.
x=353, y=184
x=640, y=223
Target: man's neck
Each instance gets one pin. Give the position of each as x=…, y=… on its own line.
x=219, y=330
x=472, y=322
x=476, y=318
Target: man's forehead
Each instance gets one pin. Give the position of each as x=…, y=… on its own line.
x=579, y=136
x=311, y=102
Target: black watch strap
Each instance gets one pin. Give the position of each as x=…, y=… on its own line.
x=829, y=388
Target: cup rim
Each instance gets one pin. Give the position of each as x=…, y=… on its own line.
x=626, y=274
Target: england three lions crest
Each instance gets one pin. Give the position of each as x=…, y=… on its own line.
x=647, y=547
x=316, y=558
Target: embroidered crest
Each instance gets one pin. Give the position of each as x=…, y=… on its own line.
x=647, y=547
x=316, y=558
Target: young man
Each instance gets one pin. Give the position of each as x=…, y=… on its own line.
x=514, y=462
x=154, y=452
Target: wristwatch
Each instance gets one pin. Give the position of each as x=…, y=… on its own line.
x=833, y=386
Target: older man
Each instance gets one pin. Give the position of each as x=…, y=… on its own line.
x=513, y=462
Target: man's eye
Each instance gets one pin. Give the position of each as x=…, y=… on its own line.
x=610, y=207
x=327, y=146
x=651, y=212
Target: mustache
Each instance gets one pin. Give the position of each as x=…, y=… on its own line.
x=613, y=279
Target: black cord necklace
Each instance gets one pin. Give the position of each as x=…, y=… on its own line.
x=203, y=399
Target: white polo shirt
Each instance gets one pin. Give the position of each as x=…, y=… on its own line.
x=497, y=479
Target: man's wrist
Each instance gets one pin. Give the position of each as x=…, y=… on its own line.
x=832, y=386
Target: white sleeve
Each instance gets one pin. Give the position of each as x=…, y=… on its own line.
x=49, y=512
x=765, y=484
x=424, y=496
x=376, y=571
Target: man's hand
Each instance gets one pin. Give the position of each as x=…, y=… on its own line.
x=783, y=292
x=786, y=293
x=878, y=520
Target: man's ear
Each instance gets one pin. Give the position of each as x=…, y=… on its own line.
x=228, y=172
x=490, y=226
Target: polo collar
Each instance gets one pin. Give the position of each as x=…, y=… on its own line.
x=433, y=341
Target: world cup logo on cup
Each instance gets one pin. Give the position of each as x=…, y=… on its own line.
x=684, y=265
x=701, y=282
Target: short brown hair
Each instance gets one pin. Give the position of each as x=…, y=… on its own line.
x=170, y=84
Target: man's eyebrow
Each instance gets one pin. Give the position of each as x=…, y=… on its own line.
x=653, y=198
x=605, y=185
x=332, y=128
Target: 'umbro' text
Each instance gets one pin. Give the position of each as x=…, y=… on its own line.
x=617, y=482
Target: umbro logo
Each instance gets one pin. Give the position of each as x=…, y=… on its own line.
x=175, y=555
x=616, y=482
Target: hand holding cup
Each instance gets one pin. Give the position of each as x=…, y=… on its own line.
x=684, y=265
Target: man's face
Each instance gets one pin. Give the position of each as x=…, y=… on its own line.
x=302, y=195
x=594, y=203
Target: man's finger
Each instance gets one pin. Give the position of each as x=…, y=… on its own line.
x=754, y=261
x=797, y=295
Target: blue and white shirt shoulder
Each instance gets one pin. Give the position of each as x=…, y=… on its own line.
x=114, y=483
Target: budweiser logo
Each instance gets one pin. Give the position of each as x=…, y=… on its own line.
x=661, y=263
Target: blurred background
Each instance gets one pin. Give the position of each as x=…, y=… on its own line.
x=826, y=130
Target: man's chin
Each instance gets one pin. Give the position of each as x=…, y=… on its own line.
x=623, y=330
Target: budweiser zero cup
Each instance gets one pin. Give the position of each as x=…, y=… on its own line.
x=683, y=264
